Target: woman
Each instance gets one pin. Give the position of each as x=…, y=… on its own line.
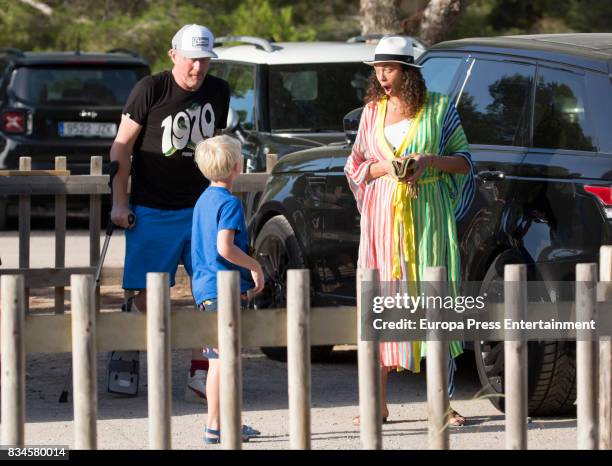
x=409, y=225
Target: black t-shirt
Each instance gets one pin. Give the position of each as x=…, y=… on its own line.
x=173, y=120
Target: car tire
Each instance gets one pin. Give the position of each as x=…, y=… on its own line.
x=551, y=367
x=277, y=250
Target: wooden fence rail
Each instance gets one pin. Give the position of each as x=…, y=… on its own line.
x=26, y=182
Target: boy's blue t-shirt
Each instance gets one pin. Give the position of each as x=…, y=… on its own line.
x=217, y=209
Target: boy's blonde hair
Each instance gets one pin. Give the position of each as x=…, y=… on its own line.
x=216, y=157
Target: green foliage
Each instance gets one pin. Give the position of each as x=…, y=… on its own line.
x=258, y=18
x=148, y=25
x=506, y=17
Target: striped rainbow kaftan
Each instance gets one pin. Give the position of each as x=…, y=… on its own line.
x=401, y=235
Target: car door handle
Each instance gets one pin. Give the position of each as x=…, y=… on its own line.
x=316, y=180
x=491, y=175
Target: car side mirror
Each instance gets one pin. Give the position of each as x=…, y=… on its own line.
x=233, y=120
x=350, y=122
x=232, y=126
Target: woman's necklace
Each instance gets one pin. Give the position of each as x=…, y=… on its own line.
x=395, y=106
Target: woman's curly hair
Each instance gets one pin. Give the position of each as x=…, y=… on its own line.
x=412, y=91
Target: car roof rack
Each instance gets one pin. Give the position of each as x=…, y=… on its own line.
x=131, y=52
x=364, y=38
x=256, y=41
x=372, y=37
x=12, y=51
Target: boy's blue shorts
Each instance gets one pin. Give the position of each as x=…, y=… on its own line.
x=157, y=243
x=210, y=305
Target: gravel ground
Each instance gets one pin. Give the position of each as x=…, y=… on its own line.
x=122, y=422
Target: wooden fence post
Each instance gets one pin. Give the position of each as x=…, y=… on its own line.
x=298, y=357
x=25, y=212
x=84, y=357
x=12, y=354
x=370, y=409
x=586, y=358
x=95, y=212
x=515, y=358
x=159, y=361
x=605, y=362
x=437, y=365
x=60, y=238
x=228, y=285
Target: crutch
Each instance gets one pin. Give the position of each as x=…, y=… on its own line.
x=110, y=227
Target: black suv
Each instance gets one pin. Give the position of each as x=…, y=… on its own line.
x=536, y=111
x=62, y=103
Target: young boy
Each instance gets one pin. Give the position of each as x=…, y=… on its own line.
x=219, y=241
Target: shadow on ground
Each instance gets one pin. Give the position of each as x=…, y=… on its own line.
x=334, y=384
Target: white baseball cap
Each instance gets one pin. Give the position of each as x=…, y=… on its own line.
x=396, y=49
x=194, y=41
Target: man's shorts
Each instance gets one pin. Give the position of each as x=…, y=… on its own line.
x=157, y=243
x=210, y=305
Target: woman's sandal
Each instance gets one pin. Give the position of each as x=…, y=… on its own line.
x=357, y=420
x=212, y=440
x=247, y=433
x=455, y=419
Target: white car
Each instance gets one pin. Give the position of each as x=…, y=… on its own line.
x=288, y=96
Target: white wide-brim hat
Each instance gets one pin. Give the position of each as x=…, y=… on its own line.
x=394, y=49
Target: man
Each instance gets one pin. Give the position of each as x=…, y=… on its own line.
x=165, y=116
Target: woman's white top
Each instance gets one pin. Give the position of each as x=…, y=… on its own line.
x=395, y=133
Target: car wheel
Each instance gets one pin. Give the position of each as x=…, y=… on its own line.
x=277, y=250
x=551, y=365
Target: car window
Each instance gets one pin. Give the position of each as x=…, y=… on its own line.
x=599, y=98
x=495, y=103
x=75, y=85
x=560, y=118
x=315, y=96
x=439, y=73
x=241, y=79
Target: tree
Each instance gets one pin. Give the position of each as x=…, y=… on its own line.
x=438, y=18
x=430, y=22
x=380, y=16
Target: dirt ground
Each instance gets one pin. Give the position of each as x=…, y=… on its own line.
x=123, y=423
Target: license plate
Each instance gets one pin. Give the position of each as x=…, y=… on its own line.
x=69, y=129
